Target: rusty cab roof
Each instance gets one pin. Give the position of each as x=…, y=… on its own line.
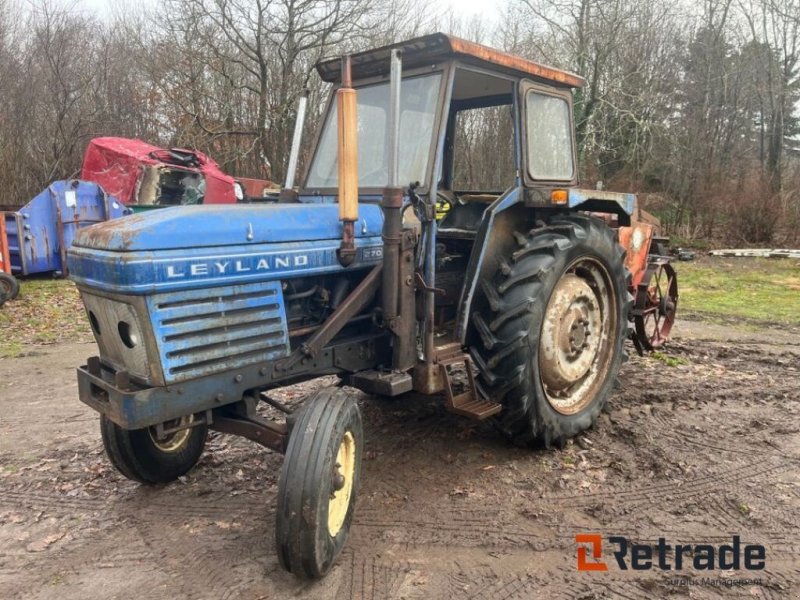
x=437, y=46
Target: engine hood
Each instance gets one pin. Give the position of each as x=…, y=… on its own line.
x=198, y=247
x=225, y=225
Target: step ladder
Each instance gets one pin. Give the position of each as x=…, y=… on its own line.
x=469, y=403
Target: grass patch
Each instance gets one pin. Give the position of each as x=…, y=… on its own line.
x=47, y=311
x=670, y=361
x=755, y=289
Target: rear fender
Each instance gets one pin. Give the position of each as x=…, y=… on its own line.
x=515, y=212
x=495, y=236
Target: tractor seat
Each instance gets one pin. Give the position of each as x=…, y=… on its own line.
x=464, y=217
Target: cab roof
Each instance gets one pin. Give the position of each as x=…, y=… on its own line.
x=423, y=50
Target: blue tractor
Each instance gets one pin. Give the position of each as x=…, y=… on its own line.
x=521, y=286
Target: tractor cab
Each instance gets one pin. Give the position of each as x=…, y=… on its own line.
x=473, y=121
x=485, y=144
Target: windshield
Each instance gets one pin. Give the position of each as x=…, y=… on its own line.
x=417, y=114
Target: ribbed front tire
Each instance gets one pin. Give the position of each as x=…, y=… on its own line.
x=549, y=329
x=139, y=455
x=318, y=483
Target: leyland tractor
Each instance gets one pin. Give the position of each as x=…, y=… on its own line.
x=513, y=307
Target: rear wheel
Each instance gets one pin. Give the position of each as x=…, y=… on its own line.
x=550, y=338
x=318, y=483
x=9, y=287
x=140, y=455
x=655, y=305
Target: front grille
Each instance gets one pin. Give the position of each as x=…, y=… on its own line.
x=200, y=332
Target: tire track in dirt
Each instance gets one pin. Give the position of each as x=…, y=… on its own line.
x=177, y=508
x=561, y=537
x=491, y=585
x=370, y=579
x=695, y=487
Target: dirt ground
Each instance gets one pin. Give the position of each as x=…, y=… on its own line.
x=698, y=444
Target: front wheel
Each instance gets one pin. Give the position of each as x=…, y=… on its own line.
x=549, y=337
x=318, y=483
x=141, y=456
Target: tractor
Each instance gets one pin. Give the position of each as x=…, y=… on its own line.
x=514, y=306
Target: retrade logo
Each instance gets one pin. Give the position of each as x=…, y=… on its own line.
x=667, y=557
x=596, y=542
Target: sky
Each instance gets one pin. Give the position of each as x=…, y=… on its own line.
x=467, y=8
x=486, y=8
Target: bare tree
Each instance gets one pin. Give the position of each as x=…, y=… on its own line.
x=775, y=30
x=256, y=54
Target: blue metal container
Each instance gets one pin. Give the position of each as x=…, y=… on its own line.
x=40, y=233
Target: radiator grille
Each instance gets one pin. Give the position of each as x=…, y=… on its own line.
x=200, y=332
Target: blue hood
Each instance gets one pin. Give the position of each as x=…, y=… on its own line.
x=197, y=247
x=225, y=225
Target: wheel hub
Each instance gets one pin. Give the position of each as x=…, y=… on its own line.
x=579, y=330
x=579, y=333
x=569, y=340
x=172, y=442
x=341, y=484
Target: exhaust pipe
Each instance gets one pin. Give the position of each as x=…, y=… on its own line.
x=348, y=163
x=392, y=202
x=287, y=193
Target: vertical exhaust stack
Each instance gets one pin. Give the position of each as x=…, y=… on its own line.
x=348, y=163
x=288, y=194
x=392, y=202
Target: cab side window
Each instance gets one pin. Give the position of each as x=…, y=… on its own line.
x=549, y=137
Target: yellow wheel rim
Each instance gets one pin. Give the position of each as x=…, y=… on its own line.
x=342, y=484
x=174, y=441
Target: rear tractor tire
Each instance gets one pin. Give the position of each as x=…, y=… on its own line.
x=140, y=456
x=549, y=334
x=318, y=483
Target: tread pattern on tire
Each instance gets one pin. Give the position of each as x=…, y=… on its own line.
x=133, y=454
x=297, y=516
x=503, y=339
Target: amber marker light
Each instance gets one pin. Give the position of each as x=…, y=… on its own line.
x=559, y=196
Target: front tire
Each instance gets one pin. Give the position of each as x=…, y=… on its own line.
x=549, y=334
x=140, y=456
x=318, y=484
